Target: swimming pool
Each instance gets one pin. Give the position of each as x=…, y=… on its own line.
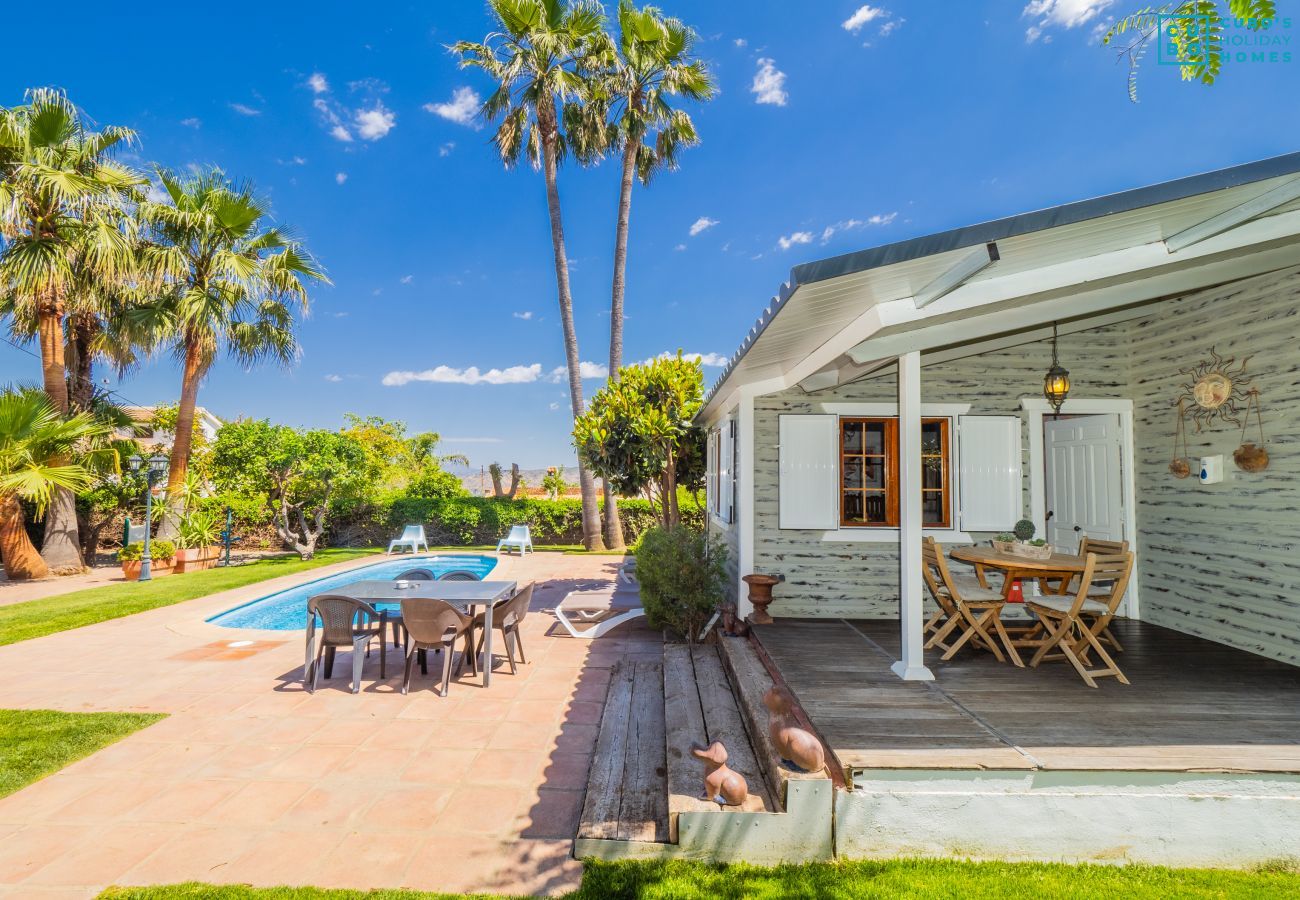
x=287, y=610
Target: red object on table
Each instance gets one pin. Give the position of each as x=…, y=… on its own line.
x=1016, y=594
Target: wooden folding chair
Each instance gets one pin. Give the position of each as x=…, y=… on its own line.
x=965, y=603
x=1074, y=625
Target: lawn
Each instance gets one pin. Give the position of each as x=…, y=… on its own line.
x=36, y=742
x=835, y=881
x=36, y=618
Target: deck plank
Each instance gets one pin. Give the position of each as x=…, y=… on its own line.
x=604, y=800
x=684, y=723
x=644, y=813
x=722, y=721
x=1193, y=705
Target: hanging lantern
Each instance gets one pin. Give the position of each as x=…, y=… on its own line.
x=1056, y=383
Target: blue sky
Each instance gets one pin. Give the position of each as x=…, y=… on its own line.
x=837, y=127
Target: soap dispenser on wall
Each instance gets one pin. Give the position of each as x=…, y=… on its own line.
x=1212, y=469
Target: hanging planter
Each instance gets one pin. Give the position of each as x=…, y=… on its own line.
x=1180, y=466
x=1251, y=457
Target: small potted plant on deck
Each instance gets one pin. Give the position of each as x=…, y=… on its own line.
x=162, y=553
x=198, y=537
x=1025, y=544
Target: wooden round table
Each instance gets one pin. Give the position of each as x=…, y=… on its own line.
x=1062, y=566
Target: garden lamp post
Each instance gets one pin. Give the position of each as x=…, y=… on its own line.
x=156, y=466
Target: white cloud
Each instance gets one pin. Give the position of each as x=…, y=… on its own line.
x=555, y=407
x=878, y=219
x=462, y=108
x=741, y=42
x=769, y=84
x=445, y=149
x=715, y=360
x=799, y=237
x=1060, y=14
x=407, y=279
x=703, y=223
x=340, y=177
x=882, y=219
x=192, y=122
x=526, y=315
x=680, y=247
x=335, y=379
x=585, y=369
x=471, y=375
x=891, y=26
x=340, y=133
x=864, y=16
x=373, y=124
x=318, y=83
x=245, y=110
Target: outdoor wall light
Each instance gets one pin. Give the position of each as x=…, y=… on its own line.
x=1056, y=383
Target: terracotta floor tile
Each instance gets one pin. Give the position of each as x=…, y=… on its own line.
x=413, y=808
x=506, y=767
x=455, y=864
x=485, y=810
x=25, y=851
x=285, y=857
x=184, y=801
x=345, y=732
x=243, y=761
x=37, y=801
x=584, y=712
x=103, y=860
x=106, y=801
x=310, y=762
x=257, y=803
x=439, y=766
x=401, y=734
x=523, y=736
x=484, y=710
x=330, y=805
x=196, y=854
x=292, y=730
x=533, y=711
x=575, y=738
x=369, y=860
x=551, y=814
x=567, y=771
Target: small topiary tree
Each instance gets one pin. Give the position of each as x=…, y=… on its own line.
x=683, y=577
x=1025, y=529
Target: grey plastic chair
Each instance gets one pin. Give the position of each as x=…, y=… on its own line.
x=459, y=575
x=416, y=575
x=507, y=615
x=433, y=625
x=345, y=622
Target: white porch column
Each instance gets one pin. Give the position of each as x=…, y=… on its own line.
x=911, y=596
x=744, y=498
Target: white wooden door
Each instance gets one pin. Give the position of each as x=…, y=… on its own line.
x=1083, y=487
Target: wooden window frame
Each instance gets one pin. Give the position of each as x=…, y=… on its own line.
x=891, y=480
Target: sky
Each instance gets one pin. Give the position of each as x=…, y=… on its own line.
x=837, y=127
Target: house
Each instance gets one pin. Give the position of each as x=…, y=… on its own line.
x=145, y=433
x=897, y=393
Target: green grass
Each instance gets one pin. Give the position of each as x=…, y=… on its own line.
x=36, y=742
x=36, y=618
x=919, y=879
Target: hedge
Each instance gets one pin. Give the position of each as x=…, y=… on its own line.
x=485, y=520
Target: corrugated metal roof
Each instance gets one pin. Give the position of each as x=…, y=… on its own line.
x=1001, y=229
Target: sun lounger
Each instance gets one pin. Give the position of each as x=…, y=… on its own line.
x=413, y=537
x=519, y=537
x=601, y=610
x=627, y=574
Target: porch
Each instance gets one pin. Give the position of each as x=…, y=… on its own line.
x=1193, y=705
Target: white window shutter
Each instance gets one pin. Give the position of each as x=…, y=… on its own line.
x=809, y=472
x=711, y=472
x=727, y=471
x=989, y=469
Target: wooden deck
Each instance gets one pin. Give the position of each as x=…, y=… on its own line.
x=1193, y=705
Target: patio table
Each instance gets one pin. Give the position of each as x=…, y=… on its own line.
x=1059, y=565
x=386, y=596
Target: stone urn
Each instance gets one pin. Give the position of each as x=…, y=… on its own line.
x=760, y=595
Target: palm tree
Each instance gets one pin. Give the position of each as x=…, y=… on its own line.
x=35, y=441
x=538, y=58
x=229, y=281
x=61, y=198
x=635, y=118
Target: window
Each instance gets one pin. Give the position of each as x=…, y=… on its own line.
x=719, y=479
x=869, y=473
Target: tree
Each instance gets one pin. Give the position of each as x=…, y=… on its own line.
x=497, y=473
x=1192, y=29
x=62, y=228
x=36, y=442
x=229, y=281
x=405, y=463
x=538, y=59
x=639, y=434
x=652, y=65
x=298, y=473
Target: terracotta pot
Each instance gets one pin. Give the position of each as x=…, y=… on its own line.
x=760, y=595
x=157, y=569
x=131, y=570
x=196, y=559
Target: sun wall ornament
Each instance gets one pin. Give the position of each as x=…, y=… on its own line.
x=1216, y=389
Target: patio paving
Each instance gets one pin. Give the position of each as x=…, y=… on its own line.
x=251, y=779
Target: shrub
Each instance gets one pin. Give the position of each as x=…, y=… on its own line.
x=1025, y=529
x=159, y=549
x=683, y=578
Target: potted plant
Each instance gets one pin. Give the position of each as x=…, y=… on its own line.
x=1004, y=542
x=198, y=536
x=1025, y=544
x=161, y=553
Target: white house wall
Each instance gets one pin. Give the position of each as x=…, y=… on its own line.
x=1222, y=561
x=861, y=579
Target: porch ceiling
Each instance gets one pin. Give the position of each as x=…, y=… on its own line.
x=844, y=314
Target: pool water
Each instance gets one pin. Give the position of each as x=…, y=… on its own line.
x=287, y=609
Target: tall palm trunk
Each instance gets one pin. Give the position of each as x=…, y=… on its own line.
x=61, y=549
x=614, y=527
x=590, y=509
x=81, y=384
x=19, y=556
x=182, y=441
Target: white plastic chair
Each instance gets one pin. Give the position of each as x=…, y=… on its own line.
x=413, y=537
x=519, y=537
